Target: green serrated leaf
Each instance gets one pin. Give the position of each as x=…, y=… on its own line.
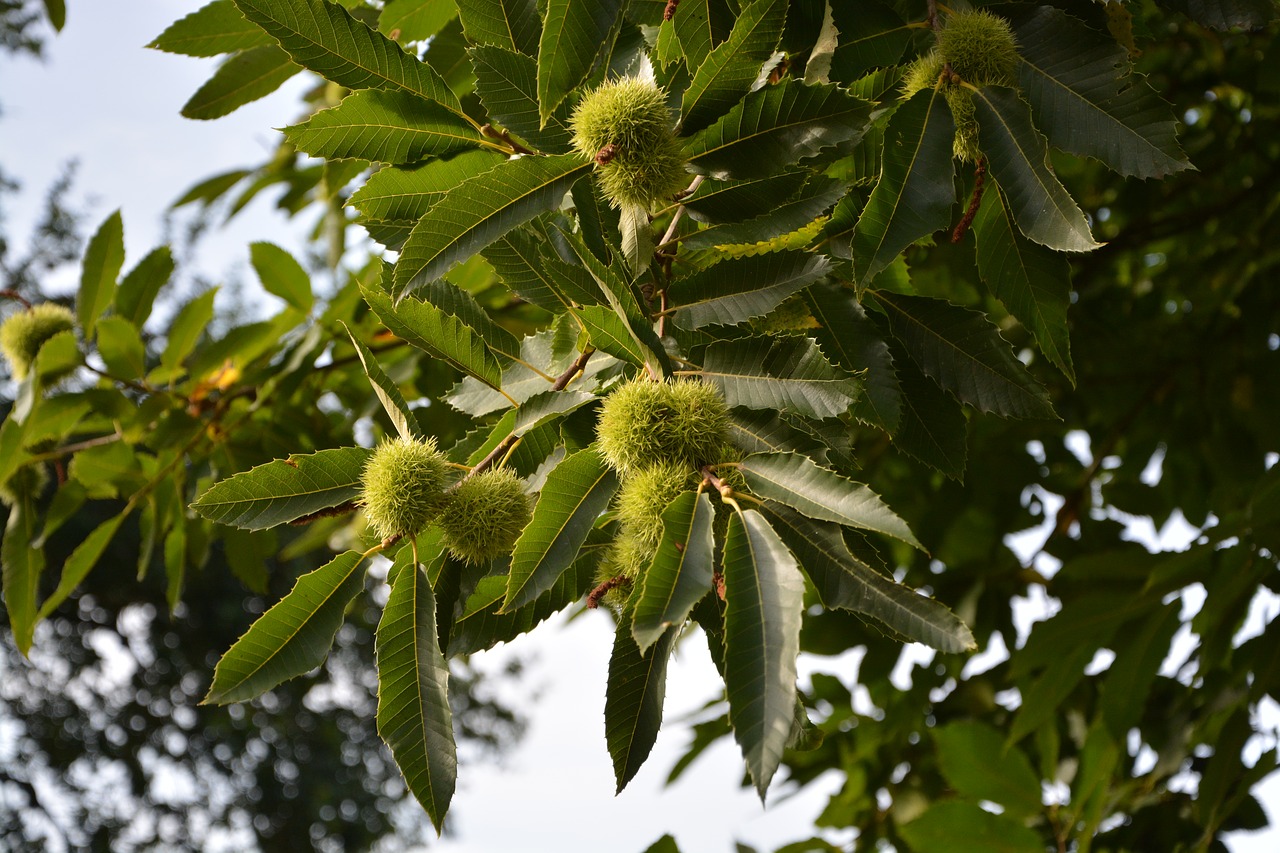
x=326, y=39
x=846, y=582
x=574, y=496
x=1033, y=282
x=854, y=342
x=681, y=571
x=393, y=199
x=737, y=201
x=539, y=277
x=916, y=190
x=488, y=205
x=393, y=127
x=764, y=598
x=291, y=638
x=140, y=286
x=611, y=334
x=932, y=427
x=286, y=489
x=103, y=259
x=451, y=299
x=388, y=393
x=633, y=700
x=22, y=563
x=509, y=24
x=488, y=627
x=737, y=290
x=507, y=83
x=414, y=717
x=574, y=33
x=436, y=332
x=1018, y=159
x=871, y=36
x=963, y=352
x=281, y=275
x=786, y=374
x=728, y=71
x=121, y=348
x=215, y=28
x=818, y=492
x=816, y=199
x=1086, y=101
x=243, y=78
x=775, y=127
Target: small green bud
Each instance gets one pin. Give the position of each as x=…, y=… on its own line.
x=484, y=515
x=22, y=335
x=625, y=126
x=402, y=486
x=645, y=422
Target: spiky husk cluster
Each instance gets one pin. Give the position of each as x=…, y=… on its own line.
x=26, y=482
x=980, y=49
x=626, y=127
x=484, y=515
x=657, y=435
x=643, y=423
x=22, y=335
x=402, y=486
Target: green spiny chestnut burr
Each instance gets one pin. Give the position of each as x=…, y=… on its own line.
x=22, y=335
x=26, y=482
x=625, y=126
x=645, y=494
x=980, y=50
x=484, y=515
x=643, y=422
x=402, y=486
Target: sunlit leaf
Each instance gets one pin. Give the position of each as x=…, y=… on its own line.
x=286, y=489
x=22, y=564
x=326, y=39
x=488, y=205
x=217, y=27
x=387, y=126
x=737, y=290
x=509, y=24
x=786, y=374
x=793, y=479
x=243, y=78
x=574, y=32
x=281, y=275
x=1018, y=159
x=103, y=259
x=729, y=70
x=293, y=637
